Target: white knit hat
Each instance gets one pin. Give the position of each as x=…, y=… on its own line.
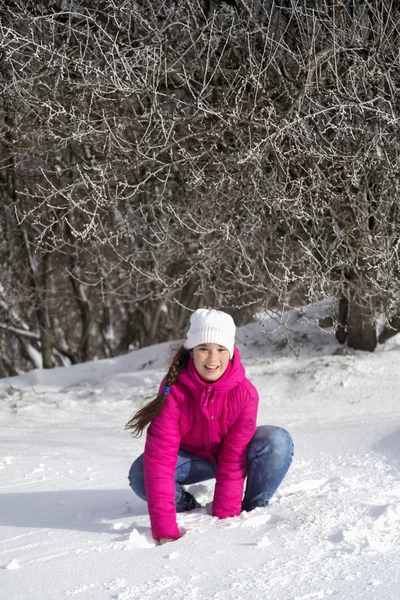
x=211, y=327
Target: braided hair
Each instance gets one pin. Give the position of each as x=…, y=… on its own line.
x=147, y=413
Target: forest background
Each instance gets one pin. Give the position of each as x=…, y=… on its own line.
x=157, y=156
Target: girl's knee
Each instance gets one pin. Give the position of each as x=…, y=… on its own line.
x=271, y=439
x=282, y=443
x=282, y=437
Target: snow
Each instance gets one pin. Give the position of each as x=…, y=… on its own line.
x=72, y=528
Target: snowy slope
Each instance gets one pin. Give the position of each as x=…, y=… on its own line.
x=71, y=527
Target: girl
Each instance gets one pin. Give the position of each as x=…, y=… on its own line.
x=203, y=426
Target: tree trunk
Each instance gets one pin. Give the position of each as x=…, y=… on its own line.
x=361, y=332
x=130, y=328
x=6, y=370
x=46, y=345
x=341, y=331
x=75, y=270
x=355, y=325
x=86, y=317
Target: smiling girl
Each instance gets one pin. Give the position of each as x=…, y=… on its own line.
x=202, y=425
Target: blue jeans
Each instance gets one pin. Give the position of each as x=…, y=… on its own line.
x=269, y=456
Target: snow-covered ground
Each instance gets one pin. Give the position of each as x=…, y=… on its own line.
x=71, y=527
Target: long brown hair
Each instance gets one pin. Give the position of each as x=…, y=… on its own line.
x=145, y=415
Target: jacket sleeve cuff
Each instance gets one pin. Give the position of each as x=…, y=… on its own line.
x=164, y=527
x=223, y=513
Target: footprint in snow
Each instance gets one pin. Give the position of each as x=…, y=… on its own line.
x=250, y=520
x=308, y=485
x=377, y=530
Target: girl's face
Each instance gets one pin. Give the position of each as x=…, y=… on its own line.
x=210, y=361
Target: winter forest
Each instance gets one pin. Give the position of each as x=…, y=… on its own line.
x=157, y=156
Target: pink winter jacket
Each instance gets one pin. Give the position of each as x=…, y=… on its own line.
x=215, y=421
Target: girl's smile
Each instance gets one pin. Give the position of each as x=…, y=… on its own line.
x=210, y=361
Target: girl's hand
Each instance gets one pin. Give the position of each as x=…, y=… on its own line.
x=166, y=540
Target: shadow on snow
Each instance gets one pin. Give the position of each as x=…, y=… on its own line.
x=389, y=447
x=83, y=510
